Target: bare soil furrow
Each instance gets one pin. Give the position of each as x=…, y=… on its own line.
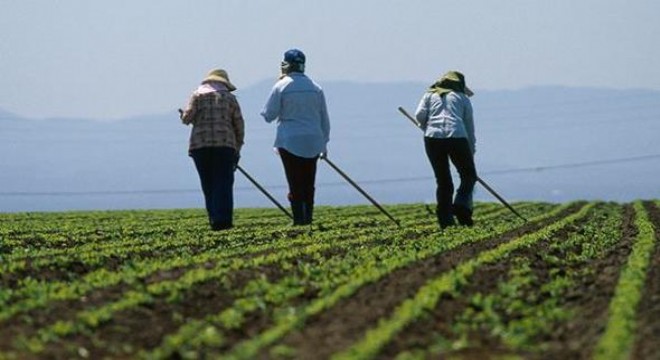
x=485, y=280
x=29, y=323
x=71, y=267
x=589, y=300
x=145, y=326
x=334, y=330
x=258, y=322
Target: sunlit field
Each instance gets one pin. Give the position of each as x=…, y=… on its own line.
x=577, y=280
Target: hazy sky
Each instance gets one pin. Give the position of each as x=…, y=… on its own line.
x=125, y=57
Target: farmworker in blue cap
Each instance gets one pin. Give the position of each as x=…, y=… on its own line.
x=303, y=130
x=445, y=115
x=216, y=139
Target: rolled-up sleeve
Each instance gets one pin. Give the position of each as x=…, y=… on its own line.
x=188, y=115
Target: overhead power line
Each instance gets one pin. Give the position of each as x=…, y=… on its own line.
x=575, y=165
x=338, y=183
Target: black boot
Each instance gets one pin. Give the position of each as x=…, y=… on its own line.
x=298, y=209
x=445, y=223
x=308, y=212
x=464, y=215
x=219, y=225
x=445, y=220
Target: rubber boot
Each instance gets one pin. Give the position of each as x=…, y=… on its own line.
x=445, y=220
x=308, y=211
x=463, y=215
x=298, y=209
x=217, y=225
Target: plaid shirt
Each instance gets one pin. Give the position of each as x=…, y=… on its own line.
x=216, y=118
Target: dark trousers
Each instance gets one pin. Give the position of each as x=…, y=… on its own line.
x=215, y=166
x=456, y=150
x=301, y=176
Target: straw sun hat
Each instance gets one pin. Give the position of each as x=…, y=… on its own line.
x=219, y=75
x=451, y=81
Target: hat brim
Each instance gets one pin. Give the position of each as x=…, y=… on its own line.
x=467, y=91
x=454, y=76
x=217, y=78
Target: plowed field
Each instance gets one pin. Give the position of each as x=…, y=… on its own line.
x=577, y=281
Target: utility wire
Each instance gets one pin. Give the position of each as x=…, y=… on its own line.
x=333, y=184
x=575, y=165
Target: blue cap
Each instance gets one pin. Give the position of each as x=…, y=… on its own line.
x=294, y=56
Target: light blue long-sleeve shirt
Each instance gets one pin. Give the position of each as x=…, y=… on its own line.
x=298, y=104
x=450, y=117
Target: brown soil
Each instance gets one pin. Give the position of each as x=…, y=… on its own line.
x=64, y=271
x=72, y=268
x=485, y=280
x=144, y=327
x=337, y=328
x=29, y=323
x=590, y=299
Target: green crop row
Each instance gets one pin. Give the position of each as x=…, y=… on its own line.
x=95, y=241
x=322, y=279
x=36, y=294
x=371, y=273
x=427, y=297
x=179, y=249
x=523, y=307
x=619, y=333
x=91, y=318
x=201, y=256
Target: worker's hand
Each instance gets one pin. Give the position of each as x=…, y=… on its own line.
x=323, y=155
x=236, y=160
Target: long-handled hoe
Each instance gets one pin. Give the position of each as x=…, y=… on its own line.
x=364, y=193
x=483, y=183
x=270, y=197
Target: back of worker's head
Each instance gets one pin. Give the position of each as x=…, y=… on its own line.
x=294, y=61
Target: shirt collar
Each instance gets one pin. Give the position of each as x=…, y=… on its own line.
x=211, y=86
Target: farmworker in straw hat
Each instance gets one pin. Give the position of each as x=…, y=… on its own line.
x=303, y=130
x=216, y=139
x=445, y=115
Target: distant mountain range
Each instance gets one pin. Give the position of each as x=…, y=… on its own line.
x=544, y=143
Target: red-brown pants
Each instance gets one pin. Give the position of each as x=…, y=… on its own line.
x=301, y=176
